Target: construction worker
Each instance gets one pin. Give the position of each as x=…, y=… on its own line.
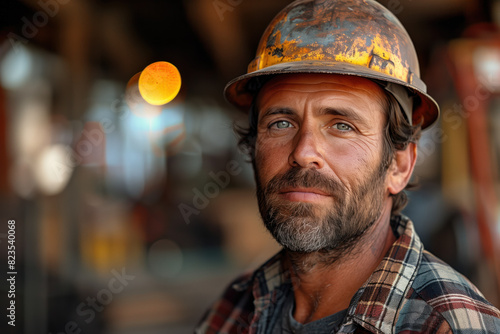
x=336, y=107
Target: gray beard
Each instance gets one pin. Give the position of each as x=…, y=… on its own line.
x=300, y=228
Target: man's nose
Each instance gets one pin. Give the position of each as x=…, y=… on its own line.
x=306, y=151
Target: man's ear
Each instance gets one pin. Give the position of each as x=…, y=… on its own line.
x=401, y=168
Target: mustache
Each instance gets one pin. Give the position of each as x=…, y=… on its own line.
x=303, y=178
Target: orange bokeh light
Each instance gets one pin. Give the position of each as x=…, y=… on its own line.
x=136, y=102
x=159, y=83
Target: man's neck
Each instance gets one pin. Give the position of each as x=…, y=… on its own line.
x=324, y=283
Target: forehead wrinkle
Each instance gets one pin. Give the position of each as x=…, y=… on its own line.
x=329, y=106
x=340, y=87
x=312, y=87
x=325, y=79
x=333, y=87
x=331, y=94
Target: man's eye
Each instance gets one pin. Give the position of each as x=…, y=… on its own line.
x=282, y=124
x=342, y=127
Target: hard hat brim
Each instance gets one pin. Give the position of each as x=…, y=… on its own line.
x=239, y=93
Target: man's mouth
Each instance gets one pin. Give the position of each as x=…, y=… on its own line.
x=303, y=194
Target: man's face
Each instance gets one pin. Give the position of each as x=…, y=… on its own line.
x=318, y=159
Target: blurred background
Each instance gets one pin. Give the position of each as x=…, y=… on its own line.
x=133, y=222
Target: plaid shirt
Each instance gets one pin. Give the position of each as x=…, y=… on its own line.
x=411, y=291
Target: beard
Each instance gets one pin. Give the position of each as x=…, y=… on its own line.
x=307, y=227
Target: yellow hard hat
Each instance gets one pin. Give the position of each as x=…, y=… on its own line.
x=348, y=37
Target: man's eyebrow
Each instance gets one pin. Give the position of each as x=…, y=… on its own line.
x=345, y=112
x=336, y=111
x=277, y=111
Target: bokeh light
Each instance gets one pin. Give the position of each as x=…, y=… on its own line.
x=165, y=258
x=53, y=169
x=16, y=67
x=159, y=83
x=136, y=102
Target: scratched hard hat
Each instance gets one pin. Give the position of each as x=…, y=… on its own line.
x=348, y=37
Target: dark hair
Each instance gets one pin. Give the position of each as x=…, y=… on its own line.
x=398, y=134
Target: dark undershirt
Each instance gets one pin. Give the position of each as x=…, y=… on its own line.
x=287, y=324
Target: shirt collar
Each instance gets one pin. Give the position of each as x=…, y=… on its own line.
x=265, y=282
x=375, y=304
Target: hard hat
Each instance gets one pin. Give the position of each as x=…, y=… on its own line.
x=348, y=37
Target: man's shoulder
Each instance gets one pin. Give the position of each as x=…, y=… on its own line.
x=442, y=298
x=242, y=284
x=236, y=308
x=436, y=279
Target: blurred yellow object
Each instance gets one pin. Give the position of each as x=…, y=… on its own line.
x=110, y=240
x=159, y=83
x=136, y=102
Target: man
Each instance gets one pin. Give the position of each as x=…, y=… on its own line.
x=336, y=108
